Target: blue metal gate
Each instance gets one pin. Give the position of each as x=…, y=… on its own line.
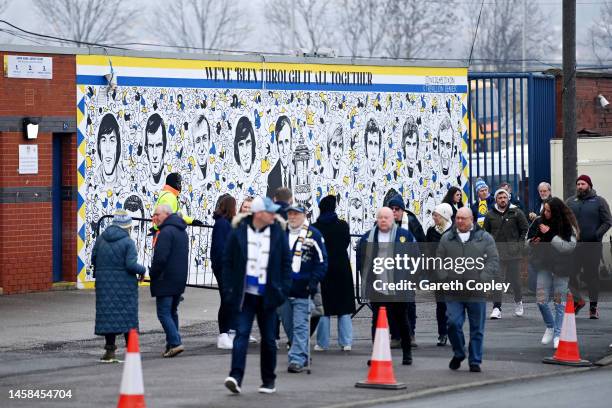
x=511, y=119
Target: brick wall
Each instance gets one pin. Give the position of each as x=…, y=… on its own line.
x=26, y=250
x=589, y=113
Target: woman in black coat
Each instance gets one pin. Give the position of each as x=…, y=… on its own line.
x=337, y=286
x=453, y=198
x=442, y=222
x=225, y=211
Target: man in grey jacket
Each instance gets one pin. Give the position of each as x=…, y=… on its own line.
x=593, y=216
x=466, y=241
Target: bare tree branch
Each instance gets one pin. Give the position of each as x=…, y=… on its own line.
x=208, y=24
x=95, y=21
x=600, y=34
x=313, y=26
x=365, y=24
x=499, y=39
x=416, y=26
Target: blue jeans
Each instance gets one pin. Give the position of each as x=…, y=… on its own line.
x=345, y=331
x=295, y=313
x=455, y=313
x=532, y=277
x=552, y=287
x=266, y=320
x=167, y=313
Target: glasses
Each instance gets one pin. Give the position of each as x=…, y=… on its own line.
x=395, y=209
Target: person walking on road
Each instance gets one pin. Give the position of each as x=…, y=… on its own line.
x=442, y=223
x=169, y=274
x=308, y=267
x=337, y=286
x=386, y=240
x=593, y=216
x=467, y=240
x=544, y=194
x=508, y=226
x=552, y=240
x=116, y=271
x=256, y=281
x=226, y=210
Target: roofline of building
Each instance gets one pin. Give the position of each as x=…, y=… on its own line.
x=246, y=57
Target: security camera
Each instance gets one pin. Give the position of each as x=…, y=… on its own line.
x=602, y=101
x=111, y=79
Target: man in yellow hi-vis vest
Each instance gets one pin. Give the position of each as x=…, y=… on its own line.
x=169, y=196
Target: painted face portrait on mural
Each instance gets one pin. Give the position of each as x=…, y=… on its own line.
x=282, y=172
x=109, y=149
x=410, y=146
x=244, y=145
x=155, y=145
x=335, y=150
x=446, y=149
x=201, y=143
x=356, y=215
x=373, y=145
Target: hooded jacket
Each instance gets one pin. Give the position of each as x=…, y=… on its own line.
x=170, y=264
x=235, y=256
x=508, y=229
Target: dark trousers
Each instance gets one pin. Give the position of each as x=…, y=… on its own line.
x=587, y=257
x=410, y=315
x=110, y=340
x=224, y=315
x=476, y=313
x=441, y=314
x=396, y=312
x=510, y=270
x=253, y=306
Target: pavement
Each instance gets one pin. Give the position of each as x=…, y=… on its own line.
x=47, y=342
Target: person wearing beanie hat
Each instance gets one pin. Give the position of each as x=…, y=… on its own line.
x=483, y=203
x=442, y=222
x=508, y=225
x=408, y=221
x=337, y=286
x=116, y=270
x=594, y=220
x=169, y=196
x=122, y=219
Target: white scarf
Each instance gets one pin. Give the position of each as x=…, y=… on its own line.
x=296, y=263
x=258, y=251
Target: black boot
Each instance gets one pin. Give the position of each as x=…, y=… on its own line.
x=109, y=355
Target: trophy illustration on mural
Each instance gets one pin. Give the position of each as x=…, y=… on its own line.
x=301, y=158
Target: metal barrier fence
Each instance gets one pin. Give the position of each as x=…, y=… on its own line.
x=200, y=272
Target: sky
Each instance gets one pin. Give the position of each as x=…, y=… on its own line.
x=20, y=13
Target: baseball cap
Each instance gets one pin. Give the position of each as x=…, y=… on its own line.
x=264, y=204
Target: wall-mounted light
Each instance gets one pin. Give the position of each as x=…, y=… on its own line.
x=30, y=128
x=603, y=102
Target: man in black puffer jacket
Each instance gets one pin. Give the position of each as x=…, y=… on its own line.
x=169, y=274
x=593, y=216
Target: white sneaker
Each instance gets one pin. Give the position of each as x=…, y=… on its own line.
x=518, y=309
x=252, y=339
x=231, y=384
x=319, y=348
x=496, y=313
x=548, y=336
x=346, y=348
x=224, y=342
x=556, y=343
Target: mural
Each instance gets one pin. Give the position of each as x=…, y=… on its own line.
x=356, y=141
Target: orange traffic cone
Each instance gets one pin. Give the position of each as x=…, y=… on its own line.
x=381, y=368
x=567, y=352
x=132, y=388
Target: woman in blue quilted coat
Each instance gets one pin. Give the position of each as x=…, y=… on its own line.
x=116, y=270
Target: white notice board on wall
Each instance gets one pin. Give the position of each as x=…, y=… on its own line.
x=28, y=159
x=28, y=66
